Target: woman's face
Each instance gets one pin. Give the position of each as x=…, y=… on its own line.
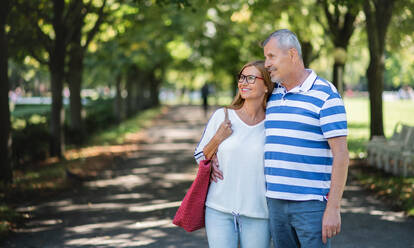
x=254, y=89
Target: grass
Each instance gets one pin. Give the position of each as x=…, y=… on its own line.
x=118, y=133
x=358, y=121
x=26, y=109
x=49, y=177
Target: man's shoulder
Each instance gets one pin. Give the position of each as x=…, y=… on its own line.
x=321, y=84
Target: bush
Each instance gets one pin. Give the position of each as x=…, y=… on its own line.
x=30, y=143
x=31, y=134
x=100, y=115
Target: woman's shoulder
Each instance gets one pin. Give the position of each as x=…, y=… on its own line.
x=218, y=114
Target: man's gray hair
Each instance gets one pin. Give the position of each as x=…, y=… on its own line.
x=286, y=39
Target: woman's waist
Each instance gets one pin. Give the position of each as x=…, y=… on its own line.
x=257, y=210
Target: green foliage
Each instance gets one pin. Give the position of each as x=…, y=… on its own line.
x=30, y=143
x=31, y=133
x=7, y=217
x=210, y=40
x=99, y=115
x=399, y=70
x=117, y=134
x=402, y=26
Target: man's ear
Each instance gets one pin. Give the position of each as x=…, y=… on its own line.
x=293, y=54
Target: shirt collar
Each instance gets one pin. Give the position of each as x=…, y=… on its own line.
x=305, y=86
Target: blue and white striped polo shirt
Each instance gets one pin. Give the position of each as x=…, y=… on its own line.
x=298, y=159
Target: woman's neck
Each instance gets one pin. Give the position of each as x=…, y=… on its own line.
x=253, y=110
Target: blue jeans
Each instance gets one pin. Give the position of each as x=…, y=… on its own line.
x=224, y=230
x=296, y=223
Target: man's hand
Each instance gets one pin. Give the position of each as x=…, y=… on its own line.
x=215, y=172
x=331, y=223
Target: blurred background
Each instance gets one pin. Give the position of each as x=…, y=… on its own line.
x=80, y=73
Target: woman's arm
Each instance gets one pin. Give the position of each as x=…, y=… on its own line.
x=215, y=132
x=222, y=133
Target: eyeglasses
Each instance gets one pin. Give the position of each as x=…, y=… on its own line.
x=251, y=79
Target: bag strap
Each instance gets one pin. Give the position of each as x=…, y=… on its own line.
x=208, y=149
x=226, y=114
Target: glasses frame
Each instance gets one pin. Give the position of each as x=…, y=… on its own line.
x=240, y=80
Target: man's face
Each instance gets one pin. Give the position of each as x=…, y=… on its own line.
x=277, y=62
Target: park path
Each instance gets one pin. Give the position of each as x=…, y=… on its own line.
x=132, y=204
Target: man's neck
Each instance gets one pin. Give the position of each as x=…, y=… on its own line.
x=296, y=78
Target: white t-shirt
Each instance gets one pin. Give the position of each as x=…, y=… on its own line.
x=240, y=157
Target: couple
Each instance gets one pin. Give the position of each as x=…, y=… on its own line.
x=277, y=156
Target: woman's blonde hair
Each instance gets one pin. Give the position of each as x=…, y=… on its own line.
x=238, y=101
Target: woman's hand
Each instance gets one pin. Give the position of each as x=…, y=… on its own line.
x=224, y=130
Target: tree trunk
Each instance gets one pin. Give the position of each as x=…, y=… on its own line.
x=56, y=66
x=143, y=91
x=154, y=90
x=154, y=93
x=74, y=78
x=340, y=29
x=118, y=99
x=5, y=137
x=378, y=16
x=139, y=89
x=375, y=75
x=338, y=75
x=57, y=114
x=138, y=95
x=129, y=98
x=307, y=53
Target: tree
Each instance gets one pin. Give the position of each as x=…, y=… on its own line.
x=50, y=26
x=399, y=64
x=298, y=16
x=5, y=139
x=341, y=24
x=76, y=57
x=378, y=15
x=45, y=37
x=136, y=55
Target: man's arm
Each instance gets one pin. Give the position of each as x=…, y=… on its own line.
x=331, y=222
x=216, y=173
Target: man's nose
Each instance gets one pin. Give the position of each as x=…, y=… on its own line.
x=266, y=64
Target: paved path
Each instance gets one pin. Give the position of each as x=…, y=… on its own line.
x=132, y=205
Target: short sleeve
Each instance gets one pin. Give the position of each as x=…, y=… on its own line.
x=333, y=117
x=209, y=131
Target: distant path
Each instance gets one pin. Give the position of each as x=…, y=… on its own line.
x=133, y=204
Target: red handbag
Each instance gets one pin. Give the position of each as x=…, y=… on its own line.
x=190, y=214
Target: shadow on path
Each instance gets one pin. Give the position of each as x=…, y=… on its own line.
x=133, y=204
